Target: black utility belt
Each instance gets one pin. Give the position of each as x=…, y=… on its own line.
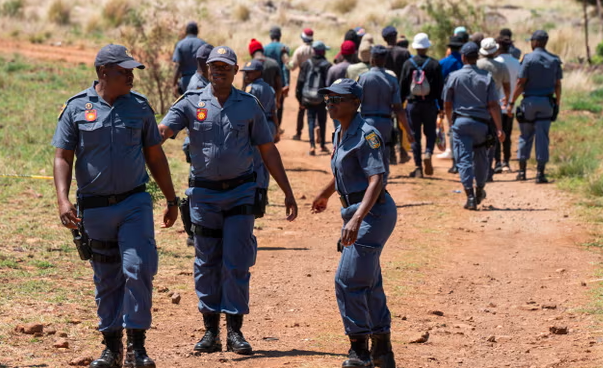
x=479, y=120
x=222, y=184
x=384, y=116
x=86, y=203
x=351, y=199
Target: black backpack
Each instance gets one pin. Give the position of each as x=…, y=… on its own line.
x=314, y=82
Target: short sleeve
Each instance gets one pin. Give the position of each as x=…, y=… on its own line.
x=370, y=154
x=150, y=132
x=448, y=91
x=66, y=133
x=523, y=70
x=177, y=57
x=396, y=93
x=492, y=94
x=176, y=119
x=260, y=132
x=559, y=73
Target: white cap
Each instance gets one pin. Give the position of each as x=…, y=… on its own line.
x=421, y=41
x=488, y=46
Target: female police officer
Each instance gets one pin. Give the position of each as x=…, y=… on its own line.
x=369, y=216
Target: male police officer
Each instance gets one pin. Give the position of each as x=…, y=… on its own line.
x=113, y=133
x=224, y=125
x=470, y=102
x=540, y=82
x=381, y=97
x=184, y=58
x=200, y=79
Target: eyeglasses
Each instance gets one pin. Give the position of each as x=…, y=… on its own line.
x=334, y=100
x=220, y=68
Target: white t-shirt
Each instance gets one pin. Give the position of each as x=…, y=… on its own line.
x=513, y=67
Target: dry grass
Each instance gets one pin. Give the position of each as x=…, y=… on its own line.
x=241, y=13
x=116, y=12
x=13, y=8
x=578, y=80
x=343, y=6
x=59, y=12
x=398, y=4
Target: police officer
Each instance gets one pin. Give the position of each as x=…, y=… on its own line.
x=184, y=58
x=381, y=97
x=200, y=79
x=369, y=216
x=265, y=95
x=540, y=83
x=112, y=131
x=471, y=102
x=224, y=124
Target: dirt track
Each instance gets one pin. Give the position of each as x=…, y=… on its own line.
x=501, y=277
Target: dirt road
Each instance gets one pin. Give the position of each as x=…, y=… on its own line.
x=488, y=286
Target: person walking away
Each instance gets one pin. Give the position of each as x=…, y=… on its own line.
x=300, y=55
x=471, y=103
x=540, y=83
x=369, y=216
x=184, y=58
x=514, y=51
x=397, y=55
x=279, y=52
x=113, y=216
x=421, y=85
x=312, y=77
x=272, y=71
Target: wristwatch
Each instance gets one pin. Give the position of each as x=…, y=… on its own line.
x=175, y=202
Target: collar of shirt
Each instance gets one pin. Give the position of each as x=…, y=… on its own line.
x=93, y=95
x=377, y=69
x=208, y=95
x=353, y=128
x=258, y=81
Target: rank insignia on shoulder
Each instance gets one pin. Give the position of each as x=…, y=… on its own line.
x=201, y=114
x=373, y=140
x=248, y=89
x=62, y=109
x=90, y=115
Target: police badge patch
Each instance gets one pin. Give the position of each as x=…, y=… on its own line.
x=201, y=114
x=373, y=140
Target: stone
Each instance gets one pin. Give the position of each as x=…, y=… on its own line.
x=436, y=313
x=491, y=339
x=176, y=298
x=33, y=328
x=559, y=330
x=81, y=361
x=61, y=344
x=421, y=339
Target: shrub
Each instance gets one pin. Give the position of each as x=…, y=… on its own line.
x=398, y=4
x=241, y=13
x=343, y=6
x=13, y=8
x=116, y=12
x=59, y=12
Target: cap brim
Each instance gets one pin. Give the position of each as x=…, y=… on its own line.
x=222, y=59
x=131, y=64
x=455, y=44
x=334, y=89
x=486, y=52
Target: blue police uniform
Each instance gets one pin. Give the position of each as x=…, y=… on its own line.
x=541, y=70
x=470, y=90
x=359, y=154
x=223, y=180
x=265, y=94
x=380, y=92
x=198, y=81
x=108, y=143
x=185, y=54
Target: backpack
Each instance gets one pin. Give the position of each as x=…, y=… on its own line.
x=419, y=86
x=314, y=81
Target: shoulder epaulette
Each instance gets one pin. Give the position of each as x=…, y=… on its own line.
x=255, y=98
x=83, y=93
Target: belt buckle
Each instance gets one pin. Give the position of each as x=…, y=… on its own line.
x=112, y=200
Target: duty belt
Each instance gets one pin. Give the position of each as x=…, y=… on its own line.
x=222, y=185
x=348, y=200
x=107, y=200
x=384, y=116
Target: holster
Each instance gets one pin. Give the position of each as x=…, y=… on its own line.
x=339, y=246
x=85, y=246
x=185, y=215
x=82, y=243
x=520, y=115
x=555, y=108
x=260, y=202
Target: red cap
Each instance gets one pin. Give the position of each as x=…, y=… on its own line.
x=309, y=32
x=348, y=48
x=255, y=45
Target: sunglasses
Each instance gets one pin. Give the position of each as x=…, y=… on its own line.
x=334, y=100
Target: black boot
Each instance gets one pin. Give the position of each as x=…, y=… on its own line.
x=211, y=340
x=136, y=354
x=471, y=202
x=480, y=195
x=521, y=174
x=113, y=355
x=359, y=355
x=540, y=177
x=381, y=351
x=235, y=341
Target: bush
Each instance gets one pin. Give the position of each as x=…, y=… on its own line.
x=13, y=8
x=446, y=15
x=398, y=4
x=59, y=12
x=116, y=12
x=343, y=6
x=241, y=13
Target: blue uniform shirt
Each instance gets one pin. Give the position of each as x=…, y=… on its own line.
x=222, y=138
x=274, y=50
x=470, y=89
x=542, y=70
x=198, y=81
x=380, y=92
x=356, y=157
x=451, y=63
x=185, y=54
x=107, y=140
x=265, y=95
